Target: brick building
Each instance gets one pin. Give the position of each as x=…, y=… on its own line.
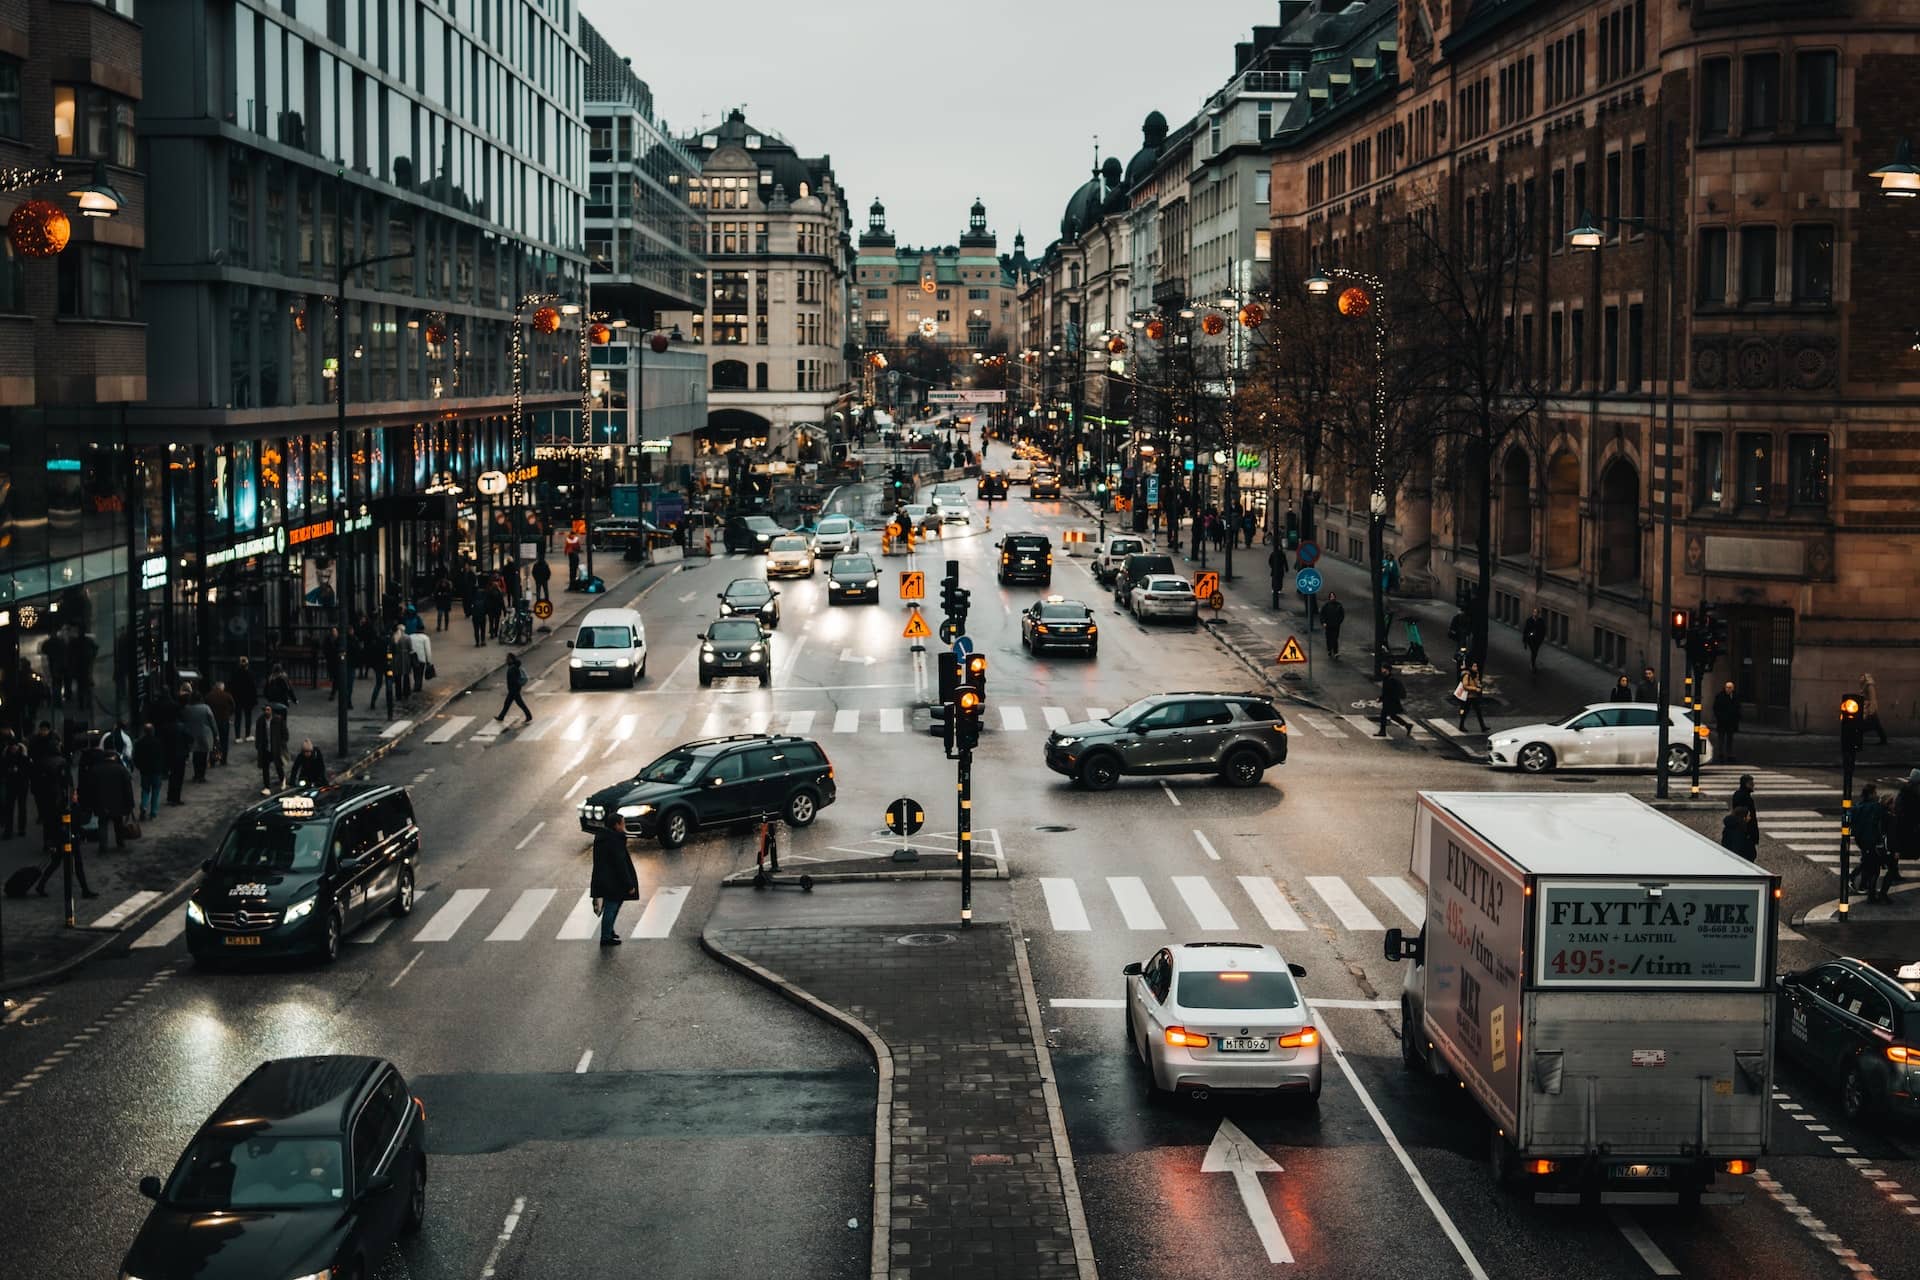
x=1795, y=512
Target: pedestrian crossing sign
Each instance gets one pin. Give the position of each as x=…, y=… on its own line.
x=913, y=584
x=1291, y=652
x=916, y=627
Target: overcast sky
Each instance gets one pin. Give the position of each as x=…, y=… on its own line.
x=869, y=83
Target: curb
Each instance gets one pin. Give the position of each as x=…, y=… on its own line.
x=1260, y=673
x=1056, y=1117
x=881, y=1222
x=167, y=899
x=744, y=879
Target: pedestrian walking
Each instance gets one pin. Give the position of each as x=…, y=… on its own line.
x=309, y=766
x=614, y=879
x=1332, y=615
x=1648, y=690
x=221, y=703
x=496, y=607
x=1903, y=824
x=516, y=683
x=178, y=739
x=202, y=736
x=1738, y=831
x=477, y=612
x=16, y=781
x=1870, y=833
x=1246, y=524
x=573, y=562
x=401, y=677
x=270, y=747
x=1743, y=794
x=150, y=760
x=335, y=656
x=1533, y=634
x=1277, y=569
x=1870, y=709
x=54, y=794
x=110, y=797
x=1726, y=720
x=420, y=660
x=1622, y=690
x=543, y=574
x=246, y=696
x=1393, y=701
x=394, y=653
x=1469, y=692
x=278, y=688
x=442, y=602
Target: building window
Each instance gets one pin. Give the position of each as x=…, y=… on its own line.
x=1813, y=263
x=99, y=282
x=1760, y=93
x=10, y=121
x=92, y=124
x=1636, y=345
x=1637, y=174
x=1713, y=264
x=1716, y=97
x=1609, y=348
x=1557, y=187
x=1263, y=181
x=1577, y=372
x=1816, y=76
x=1757, y=252
x=1556, y=348
x=1755, y=459
x=877, y=295
x=1263, y=245
x=1807, y=470
x=13, y=279
x=760, y=376
x=1613, y=194
x=1709, y=469
x=1580, y=206
x=977, y=295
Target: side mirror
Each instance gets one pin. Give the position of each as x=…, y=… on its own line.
x=1131, y=971
x=569, y=644
x=150, y=1187
x=775, y=594
x=378, y=1185
x=1398, y=946
x=1297, y=970
x=206, y=864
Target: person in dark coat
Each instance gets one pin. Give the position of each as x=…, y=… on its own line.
x=1393, y=700
x=53, y=789
x=110, y=796
x=516, y=684
x=179, y=742
x=496, y=607
x=1903, y=831
x=1870, y=832
x=150, y=758
x=270, y=748
x=224, y=709
x=1648, y=690
x=614, y=879
x=1739, y=832
x=1332, y=615
x=1277, y=571
x=1533, y=634
x=202, y=734
x=1622, y=690
x=336, y=662
x=278, y=688
x=1726, y=720
x=16, y=781
x=246, y=696
x=477, y=611
x=442, y=602
x=543, y=574
x=1743, y=795
x=309, y=766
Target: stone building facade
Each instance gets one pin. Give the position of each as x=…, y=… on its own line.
x=958, y=295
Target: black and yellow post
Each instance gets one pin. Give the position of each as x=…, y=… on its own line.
x=1852, y=735
x=66, y=858
x=968, y=704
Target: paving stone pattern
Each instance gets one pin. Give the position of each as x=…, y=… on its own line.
x=976, y=1178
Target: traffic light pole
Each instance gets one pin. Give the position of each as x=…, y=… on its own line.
x=965, y=788
x=1697, y=682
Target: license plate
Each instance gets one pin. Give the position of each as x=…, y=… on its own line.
x=1642, y=1171
x=1244, y=1044
x=244, y=940
x=1026, y=563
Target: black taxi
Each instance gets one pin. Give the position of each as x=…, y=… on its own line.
x=298, y=872
x=1858, y=1030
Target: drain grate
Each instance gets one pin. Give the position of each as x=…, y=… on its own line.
x=927, y=940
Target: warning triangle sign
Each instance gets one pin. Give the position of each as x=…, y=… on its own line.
x=916, y=627
x=1291, y=652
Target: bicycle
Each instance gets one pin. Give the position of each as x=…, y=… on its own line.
x=518, y=627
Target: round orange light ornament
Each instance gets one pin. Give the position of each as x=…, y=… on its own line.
x=1157, y=329
x=1213, y=324
x=600, y=334
x=1116, y=344
x=1355, y=302
x=1252, y=316
x=436, y=332
x=546, y=320
x=38, y=229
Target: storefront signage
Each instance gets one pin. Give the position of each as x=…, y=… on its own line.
x=277, y=540
x=492, y=483
x=520, y=475
x=153, y=573
x=362, y=521
x=63, y=464
x=656, y=446
x=308, y=532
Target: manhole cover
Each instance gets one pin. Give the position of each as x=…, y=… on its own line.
x=1051, y=826
x=927, y=940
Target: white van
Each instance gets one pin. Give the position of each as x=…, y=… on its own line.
x=609, y=648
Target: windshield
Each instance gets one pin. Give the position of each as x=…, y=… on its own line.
x=852, y=566
x=735, y=632
x=838, y=524
x=604, y=638
x=748, y=589
x=1064, y=612
x=1236, y=989
x=274, y=846
x=761, y=523
x=671, y=767
x=789, y=544
x=251, y=1171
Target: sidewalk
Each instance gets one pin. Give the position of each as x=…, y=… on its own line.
x=972, y=1172
x=137, y=883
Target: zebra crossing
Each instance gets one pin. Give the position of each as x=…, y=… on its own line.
x=1228, y=906
x=1807, y=833
x=623, y=726
x=1721, y=780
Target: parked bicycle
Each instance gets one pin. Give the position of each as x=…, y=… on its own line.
x=517, y=628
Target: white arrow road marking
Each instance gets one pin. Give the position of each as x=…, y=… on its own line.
x=1234, y=1152
x=862, y=659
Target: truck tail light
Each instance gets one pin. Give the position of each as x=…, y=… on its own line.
x=1736, y=1167
x=1181, y=1038
x=1902, y=1054
x=1541, y=1168
x=1304, y=1038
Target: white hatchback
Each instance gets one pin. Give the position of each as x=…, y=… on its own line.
x=1161, y=595
x=952, y=510
x=1605, y=735
x=834, y=535
x=1205, y=1016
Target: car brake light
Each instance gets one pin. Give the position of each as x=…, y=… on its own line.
x=1304, y=1038
x=1049, y=557
x=421, y=1105
x=1901, y=1053
x=1091, y=628
x=1541, y=1168
x=1181, y=1038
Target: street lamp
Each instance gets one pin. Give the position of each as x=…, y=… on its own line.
x=96, y=197
x=1589, y=235
x=1900, y=179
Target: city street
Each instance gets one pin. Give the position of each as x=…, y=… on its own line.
x=586, y=1103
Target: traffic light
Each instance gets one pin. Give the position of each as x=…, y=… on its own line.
x=977, y=673
x=967, y=707
x=953, y=600
x=1680, y=625
x=1293, y=530
x=1716, y=630
x=943, y=725
x=948, y=672
x=1852, y=730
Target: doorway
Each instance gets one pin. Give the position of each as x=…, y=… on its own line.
x=1760, y=657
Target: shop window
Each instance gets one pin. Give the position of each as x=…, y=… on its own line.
x=98, y=282
x=1754, y=452
x=1709, y=474
x=1808, y=470
x=1813, y=263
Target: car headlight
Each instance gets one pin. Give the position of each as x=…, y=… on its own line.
x=873, y=582
x=328, y=1274
x=575, y=662
x=301, y=909
x=623, y=662
x=1065, y=742
x=756, y=651
x=1505, y=742
x=195, y=913
x=635, y=810
x=706, y=650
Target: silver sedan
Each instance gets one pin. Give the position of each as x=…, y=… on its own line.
x=1205, y=1016
x=1164, y=596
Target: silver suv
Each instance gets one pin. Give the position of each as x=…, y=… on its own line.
x=1238, y=736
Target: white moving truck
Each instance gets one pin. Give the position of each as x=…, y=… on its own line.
x=1600, y=979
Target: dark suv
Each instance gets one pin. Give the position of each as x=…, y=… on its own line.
x=1026, y=557
x=299, y=872
x=715, y=782
x=1236, y=735
x=750, y=533
x=1135, y=568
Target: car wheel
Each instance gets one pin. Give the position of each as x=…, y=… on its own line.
x=1093, y=651
x=1243, y=767
x=330, y=939
x=403, y=896
x=802, y=808
x=1856, y=1103
x=1099, y=771
x=1313, y=1094
x=416, y=1202
x=1535, y=757
x=675, y=826
x=706, y=680
x=1679, y=758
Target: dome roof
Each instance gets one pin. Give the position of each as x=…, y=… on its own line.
x=1083, y=209
x=1153, y=136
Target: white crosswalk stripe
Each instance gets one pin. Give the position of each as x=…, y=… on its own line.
x=452, y=729
x=489, y=730
x=662, y=910
x=1068, y=913
x=163, y=931
x=892, y=720
x=537, y=730
x=758, y=721
x=1135, y=903
x=1271, y=903
x=846, y=721
x=397, y=728
x=447, y=920
x=1056, y=716
x=1403, y=896
x=581, y=922
x=799, y=722
x=132, y=906
x=1208, y=911
x=525, y=910
x=1208, y=902
x=1320, y=725
x=1344, y=903
x=577, y=731
x=625, y=727
x=1013, y=719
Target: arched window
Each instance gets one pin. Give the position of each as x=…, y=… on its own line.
x=1516, y=505
x=1563, y=511
x=1619, y=524
x=730, y=375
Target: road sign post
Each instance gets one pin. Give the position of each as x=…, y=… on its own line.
x=1293, y=652
x=904, y=818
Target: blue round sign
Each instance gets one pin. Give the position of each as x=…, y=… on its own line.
x=1307, y=582
x=1307, y=553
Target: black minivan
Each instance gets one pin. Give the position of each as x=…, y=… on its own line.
x=1026, y=557
x=297, y=873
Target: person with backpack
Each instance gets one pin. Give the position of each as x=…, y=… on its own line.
x=516, y=684
x=1470, y=692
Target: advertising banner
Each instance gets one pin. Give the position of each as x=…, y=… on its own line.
x=1615, y=934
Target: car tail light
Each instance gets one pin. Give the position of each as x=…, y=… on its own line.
x=1902, y=1054
x=1541, y=1168
x=1049, y=557
x=421, y=1105
x=1181, y=1038
x=1736, y=1166
x=1304, y=1038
